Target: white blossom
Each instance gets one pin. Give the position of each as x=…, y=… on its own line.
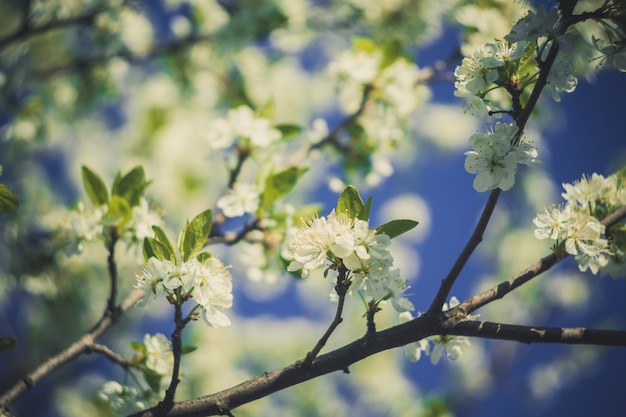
x=159, y=357
x=494, y=159
x=242, y=198
x=212, y=289
x=325, y=241
x=122, y=399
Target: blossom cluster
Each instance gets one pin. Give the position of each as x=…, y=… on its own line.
x=508, y=64
x=209, y=282
x=495, y=157
x=242, y=124
x=242, y=198
x=86, y=222
x=478, y=73
x=155, y=361
x=575, y=226
x=452, y=345
x=390, y=85
x=339, y=239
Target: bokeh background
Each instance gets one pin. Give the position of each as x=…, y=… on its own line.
x=121, y=109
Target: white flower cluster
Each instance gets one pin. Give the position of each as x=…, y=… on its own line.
x=575, y=224
x=242, y=198
x=394, y=93
x=494, y=158
x=452, y=345
x=477, y=73
x=504, y=62
x=338, y=238
x=243, y=124
x=159, y=356
x=79, y=226
x=209, y=283
x=396, y=85
x=86, y=223
x=123, y=399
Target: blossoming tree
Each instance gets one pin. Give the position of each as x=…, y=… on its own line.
x=184, y=168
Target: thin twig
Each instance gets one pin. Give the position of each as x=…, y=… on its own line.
x=106, y=351
x=112, y=266
x=499, y=291
x=343, y=283
x=80, y=347
x=470, y=246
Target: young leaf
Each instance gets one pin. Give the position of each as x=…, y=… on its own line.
x=131, y=186
x=94, y=187
x=203, y=256
x=8, y=200
x=161, y=236
x=188, y=349
x=288, y=130
x=279, y=185
x=392, y=50
x=119, y=211
x=7, y=343
x=365, y=215
x=154, y=248
x=363, y=44
x=304, y=214
x=396, y=227
x=351, y=203
x=268, y=109
x=195, y=234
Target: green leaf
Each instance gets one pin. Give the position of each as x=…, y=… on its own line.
x=138, y=347
x=94, y=187
x=279, y=185
x=396, y=227
x=152, y=248
x=8, y=200
x=7, y=343
x=392, y=50
x=131, y=186
x=351, y=203
x=119, y=211
x=303, y=214
x=161, y=237
x=366, y=209
x=152, y=378
x=203, y=256
x=268, y=110
x=195, y=234
x=288, y=130
x=188, y=349
x=363, y=44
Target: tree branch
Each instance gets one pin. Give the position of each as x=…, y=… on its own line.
x=470, y=246
x=82, y=346
x=343, y=283
x=539, y=334
x=499, y=291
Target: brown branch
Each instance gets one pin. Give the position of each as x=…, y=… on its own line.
x=343, y=283
x=104, y=350
x=439, y=323
x=499, y=291
x=26, y=30
x=82, y=346
x=470, y=246
x=539, y=334
x=269, y=383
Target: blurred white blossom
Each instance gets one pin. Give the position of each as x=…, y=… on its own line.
x=494, y=158
x=242, y=198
